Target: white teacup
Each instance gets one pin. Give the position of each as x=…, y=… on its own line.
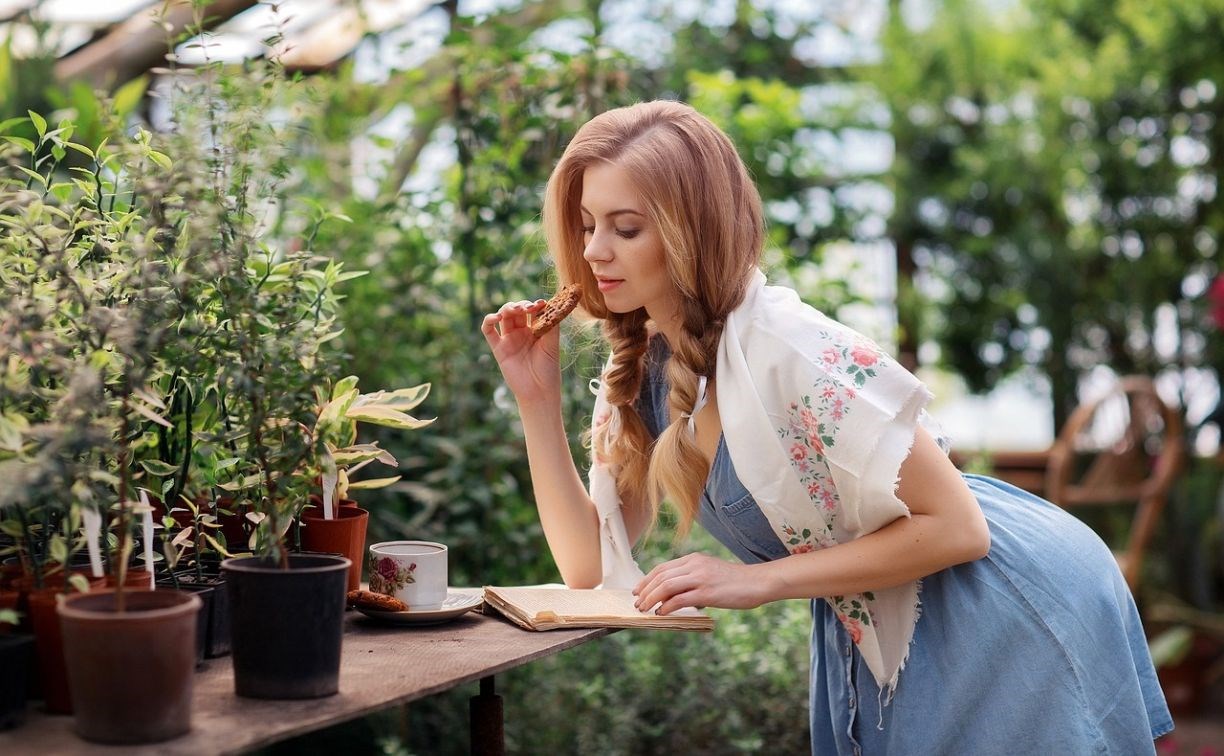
x=412, y=571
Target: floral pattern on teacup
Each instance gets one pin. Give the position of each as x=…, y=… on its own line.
x=387, y=577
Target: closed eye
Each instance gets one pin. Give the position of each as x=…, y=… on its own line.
x=627, y=233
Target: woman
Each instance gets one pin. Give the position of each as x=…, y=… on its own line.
x=806, y=450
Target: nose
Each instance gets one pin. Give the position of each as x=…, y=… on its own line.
x=597, y=249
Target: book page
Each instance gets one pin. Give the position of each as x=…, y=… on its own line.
x=542, y=603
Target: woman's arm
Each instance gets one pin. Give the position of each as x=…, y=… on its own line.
x=532, y=372
x=567, y=513
x=945, y=528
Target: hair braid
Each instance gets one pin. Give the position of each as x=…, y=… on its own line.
x=629, y=449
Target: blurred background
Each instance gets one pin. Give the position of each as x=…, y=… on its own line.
x=1016, y=197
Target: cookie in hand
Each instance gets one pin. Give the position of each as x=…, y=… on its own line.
x=557, y=309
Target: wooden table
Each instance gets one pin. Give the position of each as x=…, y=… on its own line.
x=381, y=666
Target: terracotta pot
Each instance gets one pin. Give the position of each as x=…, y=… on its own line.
x=136, y=580
x=49, y=642
x=130, y=672
x=10, y=570
x=286, y=626
x=343, y=535
x=317, y=501
x=233, y=526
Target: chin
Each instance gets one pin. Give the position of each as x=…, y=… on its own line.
x=616, y=307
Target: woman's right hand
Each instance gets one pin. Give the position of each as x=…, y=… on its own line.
x=530, y=365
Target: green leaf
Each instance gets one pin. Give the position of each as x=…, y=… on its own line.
x=213, y=542
x=161, y=159
x=129, y=95
x=58, y=151
x=79, y=581
x=374, y=483
x=32, y=174
x=344, y=385
x=143, y=410
x=59, y=549
x=1171, y=646
x=158, y=468
x=21, y=142
x=387, y=417
x=401, y=400
x=362, y=453
x=40, y=123
x=336, y=408
x=8, y=123
x=80, y=148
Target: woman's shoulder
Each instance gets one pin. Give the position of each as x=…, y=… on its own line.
x=781, y=324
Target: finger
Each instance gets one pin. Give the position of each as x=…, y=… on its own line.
x=488, y=327
x=517, y=314
x=672, y=583
x=654, y=574
x=689, y=598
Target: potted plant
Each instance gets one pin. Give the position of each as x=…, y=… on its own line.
x=286, y=609
x=129, y=654
x=335, y=523
x=279, y=313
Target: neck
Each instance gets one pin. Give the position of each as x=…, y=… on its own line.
x=667, y=321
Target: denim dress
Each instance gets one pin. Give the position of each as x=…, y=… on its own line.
x=1036, y=648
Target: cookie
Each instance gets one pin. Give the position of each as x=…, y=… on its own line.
x=557, y=309
x=376, y=601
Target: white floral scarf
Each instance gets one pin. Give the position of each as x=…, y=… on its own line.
x=817, y=420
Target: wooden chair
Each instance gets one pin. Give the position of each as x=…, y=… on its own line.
x=1125, y=448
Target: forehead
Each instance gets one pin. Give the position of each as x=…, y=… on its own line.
x=607, y=187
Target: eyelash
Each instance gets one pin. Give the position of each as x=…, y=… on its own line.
x=622, y=234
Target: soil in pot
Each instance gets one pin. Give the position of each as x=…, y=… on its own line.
x=16, y=659
x=286, y=626
x=130, y=672
x=345, y=534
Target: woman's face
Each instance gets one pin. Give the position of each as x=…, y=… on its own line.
x=623, y=247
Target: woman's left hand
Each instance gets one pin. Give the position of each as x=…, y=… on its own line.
x=700, y=580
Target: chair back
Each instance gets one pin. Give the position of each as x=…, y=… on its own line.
x=1124, y=448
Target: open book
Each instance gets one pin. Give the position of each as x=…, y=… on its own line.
x=548, y=608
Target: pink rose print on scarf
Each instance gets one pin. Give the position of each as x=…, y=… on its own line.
x=852, y=626
x=863, y=355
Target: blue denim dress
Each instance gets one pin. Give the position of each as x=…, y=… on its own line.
x=1035, y=649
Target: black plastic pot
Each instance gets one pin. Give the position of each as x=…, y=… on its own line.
x=286, y=626
x=16, y=657
x=214, y=617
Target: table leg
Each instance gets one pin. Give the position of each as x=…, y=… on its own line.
x=487, y=730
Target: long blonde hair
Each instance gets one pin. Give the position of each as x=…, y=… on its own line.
x=698, y=194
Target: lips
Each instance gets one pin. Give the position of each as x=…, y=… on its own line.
x=608, y=284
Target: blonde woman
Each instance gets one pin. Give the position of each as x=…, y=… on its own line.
x=806, y=450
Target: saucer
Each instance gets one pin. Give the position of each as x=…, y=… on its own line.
x=459, y=601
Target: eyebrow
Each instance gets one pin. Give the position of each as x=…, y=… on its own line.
x=622, y=211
